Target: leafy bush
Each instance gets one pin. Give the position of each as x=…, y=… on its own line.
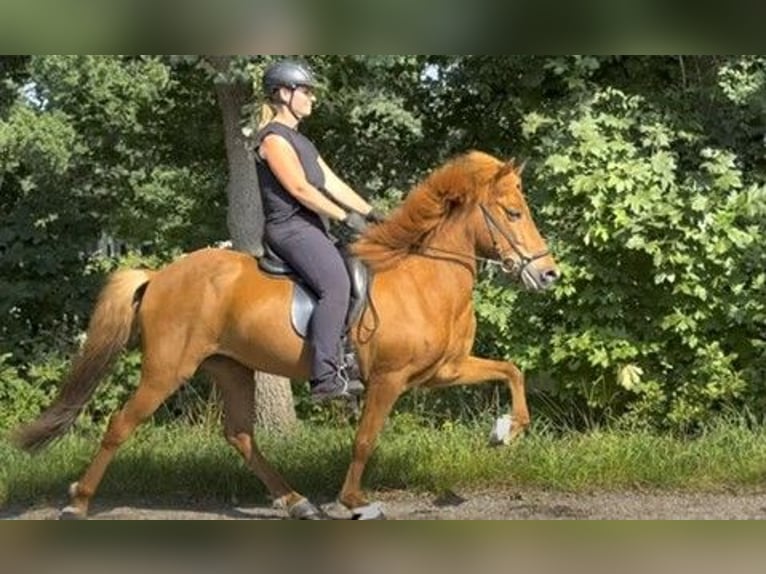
x=20, y=398
x=662, y=292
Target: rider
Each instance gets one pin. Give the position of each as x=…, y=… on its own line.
x=301, y=194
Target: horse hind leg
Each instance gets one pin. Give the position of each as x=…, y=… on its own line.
x=156, y=385
x=236, y=385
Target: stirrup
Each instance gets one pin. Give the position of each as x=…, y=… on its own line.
x=349, y=366
x=351, y=374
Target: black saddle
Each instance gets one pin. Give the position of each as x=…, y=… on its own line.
x=304, y=300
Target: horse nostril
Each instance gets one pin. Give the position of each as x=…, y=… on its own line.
x=549, y=277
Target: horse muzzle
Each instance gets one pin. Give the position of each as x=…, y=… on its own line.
x=532, y=276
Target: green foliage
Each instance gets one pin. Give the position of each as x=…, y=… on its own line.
x=93, y=147
x=657, y=236
x=368, y=128
x=20, y=398
x=743, y=80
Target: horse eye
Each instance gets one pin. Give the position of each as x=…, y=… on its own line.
x=513, y=214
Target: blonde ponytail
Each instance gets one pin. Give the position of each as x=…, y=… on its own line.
x=268, y=113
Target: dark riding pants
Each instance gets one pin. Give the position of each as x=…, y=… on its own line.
x=313, y=256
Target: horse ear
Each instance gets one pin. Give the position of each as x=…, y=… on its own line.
x=516, y=165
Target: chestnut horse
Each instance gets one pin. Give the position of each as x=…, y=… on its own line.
x=215, y=310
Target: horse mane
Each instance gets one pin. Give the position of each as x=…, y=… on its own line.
x=464, y=180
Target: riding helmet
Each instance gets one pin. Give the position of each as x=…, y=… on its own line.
x=287, y=74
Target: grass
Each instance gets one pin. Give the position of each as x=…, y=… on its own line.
x=194, y=462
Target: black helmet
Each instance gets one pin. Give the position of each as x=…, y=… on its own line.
x=287, y=74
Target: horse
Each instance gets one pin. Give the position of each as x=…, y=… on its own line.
x=214, y=310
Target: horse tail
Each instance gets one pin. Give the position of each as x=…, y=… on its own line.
x=111, y=328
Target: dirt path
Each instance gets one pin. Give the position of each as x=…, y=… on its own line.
x=496, y=505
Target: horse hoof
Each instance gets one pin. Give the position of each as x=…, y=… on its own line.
x=305, y=510
x=71, y=513
x=501, y=432
x=369, y=512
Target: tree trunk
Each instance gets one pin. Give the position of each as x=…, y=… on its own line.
x=244, y=215
x=274, y=405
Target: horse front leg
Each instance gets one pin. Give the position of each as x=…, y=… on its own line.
x=379, y=400
x=475, y=370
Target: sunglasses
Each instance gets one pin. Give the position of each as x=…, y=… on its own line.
x=306, y=90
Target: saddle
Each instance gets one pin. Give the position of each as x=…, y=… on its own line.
x=304, y=301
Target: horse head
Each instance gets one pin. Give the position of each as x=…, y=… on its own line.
x=505, y=230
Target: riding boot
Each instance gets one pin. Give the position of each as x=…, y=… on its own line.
x=337, y=387
x=347, y=381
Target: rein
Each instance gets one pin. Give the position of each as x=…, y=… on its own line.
x=468, y=256
x=516, y=267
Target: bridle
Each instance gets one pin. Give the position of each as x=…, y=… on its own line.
x=509, y=264
x=515, y=267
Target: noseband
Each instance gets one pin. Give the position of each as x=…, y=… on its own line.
x=509, y=264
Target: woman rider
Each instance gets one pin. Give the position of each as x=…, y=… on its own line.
x=301, y=194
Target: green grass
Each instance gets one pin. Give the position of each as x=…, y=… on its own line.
x=193, y=462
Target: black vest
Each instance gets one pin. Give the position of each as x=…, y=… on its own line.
x=278, y=204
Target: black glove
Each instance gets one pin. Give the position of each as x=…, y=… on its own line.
x=355, y=222
x=375, y=216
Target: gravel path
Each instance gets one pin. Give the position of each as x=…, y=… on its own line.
x=485, y=505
